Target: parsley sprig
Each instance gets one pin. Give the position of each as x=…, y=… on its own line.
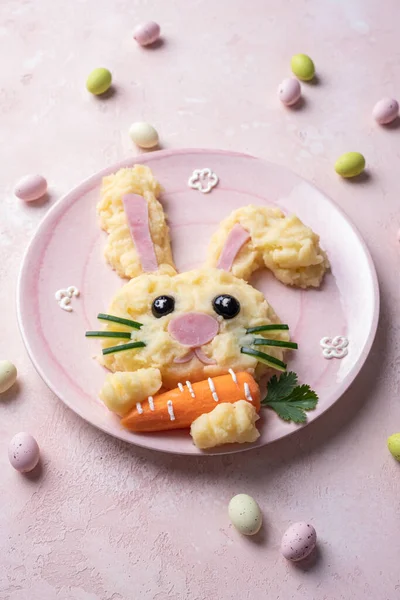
x=289, y=400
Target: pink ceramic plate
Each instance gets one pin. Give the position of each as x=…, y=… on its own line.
x=68, y=251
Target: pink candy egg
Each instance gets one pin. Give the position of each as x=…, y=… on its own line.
x=385, y=111
x=23, y=452
x=289, y=91
x=31, y=187
x=147, y=33
x=298, y=541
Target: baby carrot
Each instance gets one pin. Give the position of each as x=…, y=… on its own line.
x=178, y=408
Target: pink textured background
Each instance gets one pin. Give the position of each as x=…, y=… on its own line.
x=104, y=521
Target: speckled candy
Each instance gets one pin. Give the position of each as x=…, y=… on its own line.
x=147, y=33
x=385, y=111
x=245, y=514
x=30, y=188
x=289, y=91
x=298, y=541
x=23, y=452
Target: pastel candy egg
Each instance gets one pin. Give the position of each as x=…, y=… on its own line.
x=303, y=67
x=23, y=452
x=393, y=443
x=350, y=164
x=31, y=187
x=245, y=514
x=144, y=135
x=99, y=81
x=298, y=541
x=147, y=33
x=8, y=375
x=289, y=91
x=385, y=111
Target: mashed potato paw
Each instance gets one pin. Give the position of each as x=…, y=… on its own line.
x=226, y=424
x=122, y=390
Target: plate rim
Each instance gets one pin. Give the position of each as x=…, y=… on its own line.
x=149, y=156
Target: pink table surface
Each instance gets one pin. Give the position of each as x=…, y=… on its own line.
x=106, y=521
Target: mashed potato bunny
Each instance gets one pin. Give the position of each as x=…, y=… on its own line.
x=165, y=330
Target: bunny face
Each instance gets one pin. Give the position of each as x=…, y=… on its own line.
x=194, y=324
x=191, y=325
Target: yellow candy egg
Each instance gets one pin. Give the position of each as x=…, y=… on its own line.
x=303, y=67
x=99, y=81
x=350, y=164
x=393, y=443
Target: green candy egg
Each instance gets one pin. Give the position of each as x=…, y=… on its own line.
x=393, y=443
x=350, y=164
x=99, y=81
x=303, y=67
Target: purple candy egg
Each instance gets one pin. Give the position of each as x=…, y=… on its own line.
x=147, y=33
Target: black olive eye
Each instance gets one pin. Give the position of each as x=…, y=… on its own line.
x=163, y=305
x=226, y=306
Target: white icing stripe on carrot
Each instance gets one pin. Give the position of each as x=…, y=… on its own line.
x=247, y=393
x=189, y=386
x=137, y=215
x=237, y=237
x=139, y=408
x=233, y=375
x=181, y=388
x=212, y=389
x=171, y=410
x=151, y=402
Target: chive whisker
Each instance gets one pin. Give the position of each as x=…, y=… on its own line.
x=122, y=347
x=123, y=335
x=280, y=343
x=267, y=359
x=272, y=327
x=119, y=320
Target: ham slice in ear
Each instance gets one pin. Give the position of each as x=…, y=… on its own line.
x=137, y=214
x=234, y=242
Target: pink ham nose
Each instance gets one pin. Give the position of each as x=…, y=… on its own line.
x=193, y=329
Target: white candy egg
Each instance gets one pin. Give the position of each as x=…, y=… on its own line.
x=144, y=135
x=289, y=91
x=8, y=375
x=31, y=187
x=245, y=514
x=298, y=541
x=23, y=452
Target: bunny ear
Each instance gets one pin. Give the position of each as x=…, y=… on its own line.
x=137, y=215
x=237, y=237
x=254, y=236
x=131, y=214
